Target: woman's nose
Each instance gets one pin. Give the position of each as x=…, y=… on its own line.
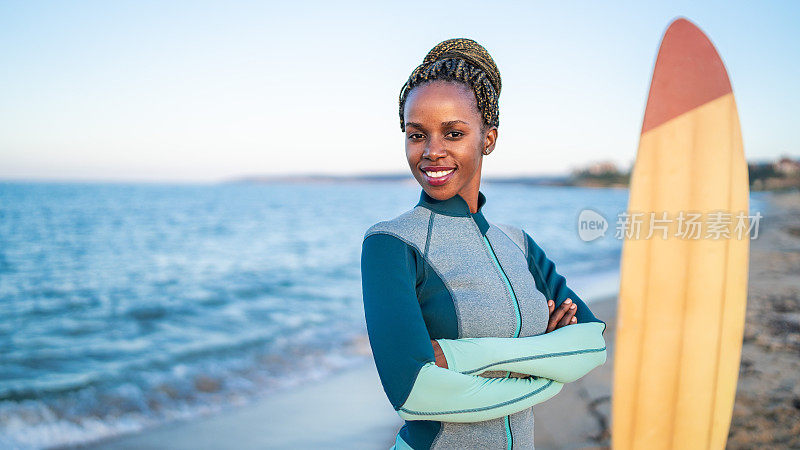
x=435, y=149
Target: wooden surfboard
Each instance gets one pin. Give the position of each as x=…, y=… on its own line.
x=683, y=295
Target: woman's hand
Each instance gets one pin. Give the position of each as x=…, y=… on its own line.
x=564, y=315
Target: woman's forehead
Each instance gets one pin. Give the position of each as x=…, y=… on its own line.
x=438, y=99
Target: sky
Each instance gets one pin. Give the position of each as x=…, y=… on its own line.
x=198, y=91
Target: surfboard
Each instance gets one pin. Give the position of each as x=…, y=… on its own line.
x=682, y=295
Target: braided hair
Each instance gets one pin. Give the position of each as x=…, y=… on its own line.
x=461, y=60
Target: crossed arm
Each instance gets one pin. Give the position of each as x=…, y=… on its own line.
x=420, y=390
x=563, y=355
x=554, y=359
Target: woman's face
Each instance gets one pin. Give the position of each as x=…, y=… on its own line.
x=445, y=137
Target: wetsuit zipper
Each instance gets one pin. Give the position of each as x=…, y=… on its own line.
x=509, y=437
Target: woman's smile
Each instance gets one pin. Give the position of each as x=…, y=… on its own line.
x=437, y=176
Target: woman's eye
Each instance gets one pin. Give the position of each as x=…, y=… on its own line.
x=455, y=134
x=415, y=136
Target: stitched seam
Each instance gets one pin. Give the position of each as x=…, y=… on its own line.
x=507, y=282
x=475, y=225
x=438, y=436
x=526, y=258
x=389, y=233
x=416, y=375
x=442, y=212
x=525, y=241
x=498, y=270
x=510, y=434
x=527, y=358
x=484, y=408
x=428, y=236
x=512, y=240
x=524, y=250
x=444, y=281
x=430, y=264
x=541, y=276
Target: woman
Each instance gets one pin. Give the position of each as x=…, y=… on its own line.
x=463, y=337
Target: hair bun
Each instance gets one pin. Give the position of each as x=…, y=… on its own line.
x=470, y=51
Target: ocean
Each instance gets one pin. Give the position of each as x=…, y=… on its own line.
x=125, y=306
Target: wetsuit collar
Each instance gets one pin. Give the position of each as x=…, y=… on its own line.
x=456, y=206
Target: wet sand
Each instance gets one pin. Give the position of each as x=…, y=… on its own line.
x=346, y=410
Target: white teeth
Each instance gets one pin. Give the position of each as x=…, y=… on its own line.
x=441, y=173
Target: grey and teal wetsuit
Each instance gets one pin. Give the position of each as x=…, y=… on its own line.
x=480, y=289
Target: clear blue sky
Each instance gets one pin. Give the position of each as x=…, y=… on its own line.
x=203, y=91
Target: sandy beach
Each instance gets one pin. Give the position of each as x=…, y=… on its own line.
x=767, y=407
x=350, y=410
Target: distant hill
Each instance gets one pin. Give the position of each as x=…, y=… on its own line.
x=777, y=175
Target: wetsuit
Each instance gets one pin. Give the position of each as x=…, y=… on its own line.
x=480, y=289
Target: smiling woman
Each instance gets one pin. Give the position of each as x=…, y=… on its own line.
x=460, y=311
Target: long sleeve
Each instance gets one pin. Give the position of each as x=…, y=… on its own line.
x=564, y=355
x=403, y=354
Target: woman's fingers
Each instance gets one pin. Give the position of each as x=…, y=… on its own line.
x=551, y=305
x=563, y=315
x=558, y=314
x=569, y=317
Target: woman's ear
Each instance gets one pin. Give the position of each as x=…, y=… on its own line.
x=489, y=139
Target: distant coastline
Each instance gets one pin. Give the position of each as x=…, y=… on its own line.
x=780, y=175
x=554, y=180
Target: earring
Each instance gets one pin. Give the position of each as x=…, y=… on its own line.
x=486, y=151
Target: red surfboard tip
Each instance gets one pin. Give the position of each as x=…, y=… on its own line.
x=688, y=73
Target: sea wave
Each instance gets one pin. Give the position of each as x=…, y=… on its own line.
x=98, y=406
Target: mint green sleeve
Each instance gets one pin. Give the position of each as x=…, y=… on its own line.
x=563, y=355
x=449, y=396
